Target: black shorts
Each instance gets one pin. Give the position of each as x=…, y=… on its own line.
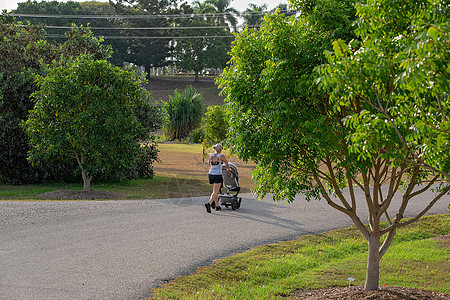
x=215, y=178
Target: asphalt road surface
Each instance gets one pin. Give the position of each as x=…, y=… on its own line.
x=122, y=249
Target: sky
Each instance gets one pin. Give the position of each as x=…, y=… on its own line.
x=239, y=5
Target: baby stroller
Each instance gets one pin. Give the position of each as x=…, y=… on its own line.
x=231, y=184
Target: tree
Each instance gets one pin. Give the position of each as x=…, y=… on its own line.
x=85, y=111
x=184, y=112
x=82, y=40
x=209, y=50
x=202, y=7
x=254, y=15
x=305, y=141
x=284, y=9
x=135, y=49
x=144, y=47
x=224, y=14
x=216, y=125
x=24, y=54
x=398, y=110
x=412, y=94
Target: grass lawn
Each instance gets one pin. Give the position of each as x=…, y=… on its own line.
x=181, y=173
x=416, y=259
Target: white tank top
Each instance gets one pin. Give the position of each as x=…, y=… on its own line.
x=216, y=169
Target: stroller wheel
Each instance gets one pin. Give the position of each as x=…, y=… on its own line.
x=234, y=205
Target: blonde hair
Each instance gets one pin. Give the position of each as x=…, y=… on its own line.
x=218, y=147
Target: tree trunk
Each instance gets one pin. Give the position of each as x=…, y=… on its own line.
x=86, y=181
x=373, y=263
x=196, y=76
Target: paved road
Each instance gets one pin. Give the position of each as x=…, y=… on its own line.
x=122, y=249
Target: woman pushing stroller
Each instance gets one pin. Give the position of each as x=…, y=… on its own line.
x=215, y=176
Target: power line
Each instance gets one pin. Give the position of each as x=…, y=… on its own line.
x=118, y=16
x=143, y=28
x=133, y=16
x=149, y=37
x=135, y=28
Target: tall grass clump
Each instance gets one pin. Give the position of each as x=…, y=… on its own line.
x=184, y=112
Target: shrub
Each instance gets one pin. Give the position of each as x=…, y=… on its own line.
x=216, y=125
x=197, y=135
x=184, y=112
x=147, y=155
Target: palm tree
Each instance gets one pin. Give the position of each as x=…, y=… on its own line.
x=254, y=15
x=203, y=8
x=225, y=13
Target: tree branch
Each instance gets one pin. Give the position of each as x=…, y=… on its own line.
x=398, y=224
x=387, y=242
x=370, y=204
x=349, y=213
x=336, y=188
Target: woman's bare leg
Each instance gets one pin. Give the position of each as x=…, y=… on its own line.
x=215, y=194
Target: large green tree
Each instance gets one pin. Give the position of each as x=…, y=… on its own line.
x=404, y=57
x=392, y=90
x=203, y=48
x=24, y=54
x=305, y=141
x=145, y=47
x=85, y=110
x=142, y=47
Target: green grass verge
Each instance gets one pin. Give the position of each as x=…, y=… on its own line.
x=416, y=259
x=159, y=187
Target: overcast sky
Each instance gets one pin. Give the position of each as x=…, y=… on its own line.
x=239, y=5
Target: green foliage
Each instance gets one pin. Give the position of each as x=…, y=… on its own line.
x=254, y=14
x=381, y=120
x=184, y=112
x=146, y=52
x=216, y=124
x=225, y=13
x=81, y=39
x=394, y=86
x=148, y=114
x=147, y=155
x=278, y=117
x=197, y=135
x=200, y=53
x=84, y=111
x=25, y=53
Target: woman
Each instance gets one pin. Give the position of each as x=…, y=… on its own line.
x=215, y=176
